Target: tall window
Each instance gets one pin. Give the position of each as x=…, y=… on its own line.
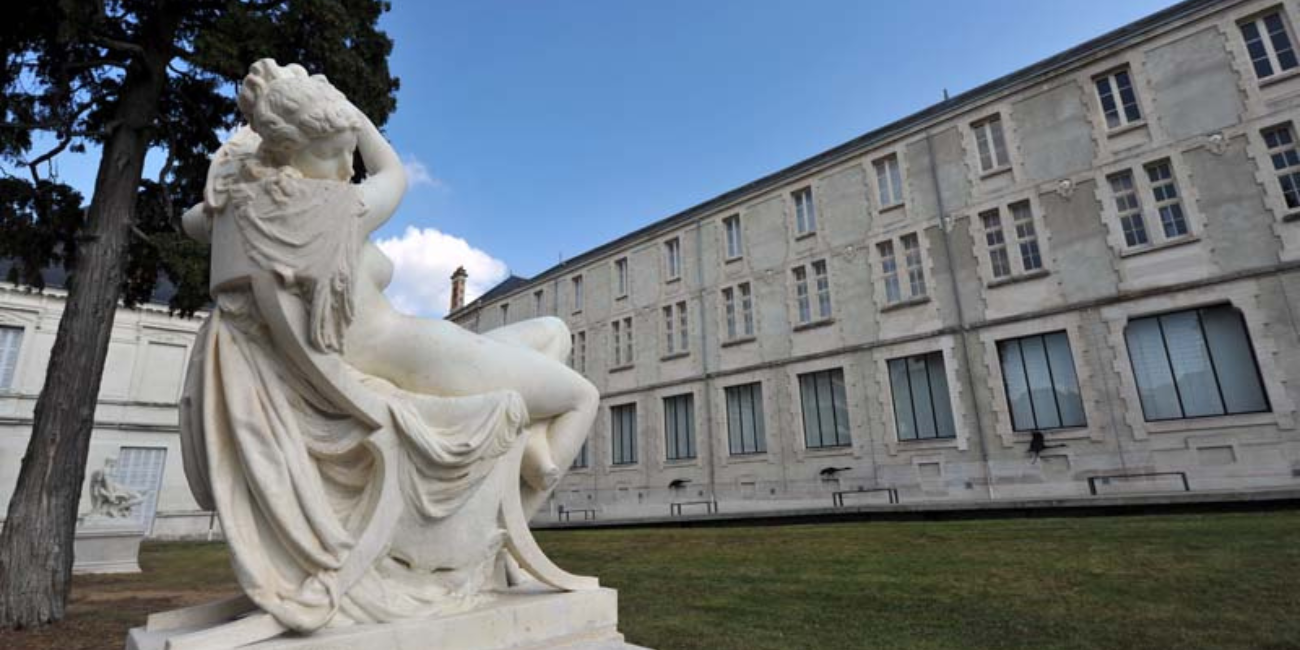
x=745, y=434
x=804, y=294
x=825, y=409
x=922, y=408
x=1042, y=387
x=539, y=300
x=738, y=305
x=823, y=283
x=1268, y=42
x=889, y=271
x=1002, y=262
x=679, y=427
x=991, y=144
x=805, y=213
x=889, y=181
x=11, y=340
x=1195, y=363
x=620, y=277
x=1030, y=257
x=915, y=270
x=578, y=351
x=577, y=293
x=623, y=434
x=1286, y=162
x=673, y=258
x=621, y=337
x=895, y=289
x=1165, y=192
x=676, y=336
x=731, y=230
x=1118, y=101
x=505, y=314
x=1129, y=208
x=996, y=242
x=583, y=459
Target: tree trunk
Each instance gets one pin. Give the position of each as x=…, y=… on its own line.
x=36, y=543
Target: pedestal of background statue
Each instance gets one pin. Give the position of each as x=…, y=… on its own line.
x=522, y=619
x=107, y=549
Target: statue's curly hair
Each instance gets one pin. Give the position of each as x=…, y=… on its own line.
x=288, y=108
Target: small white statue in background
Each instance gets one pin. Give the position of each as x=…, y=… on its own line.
x=108, y=498
x=366, y=464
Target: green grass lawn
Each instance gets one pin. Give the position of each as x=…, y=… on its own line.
x=1157, y=582
x=1154, y=582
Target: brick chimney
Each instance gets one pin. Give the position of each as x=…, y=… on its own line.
x=458, y=288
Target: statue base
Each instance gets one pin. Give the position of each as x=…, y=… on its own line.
x=107, y=550
x=524, y=618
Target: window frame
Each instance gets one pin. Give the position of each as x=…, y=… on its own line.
x=623, y=443
x=1015, y=238
x=995, y=139
x=1271, y=57
x=1290, y=154
x=738, y=312
x=622, y=281
x=675, y=329
x=947, y=403
x=575, y=292
x=10, y=362
x=1251, y=348
x=1149, y=209
x=731, y=223
x=1111, y=79
x=1001, y=346
x=673, y=263
x=839, y=442
x=578, y=351
x=621, y=338
x=673, y=437
x=892, y=166
x=758, y=425
x=804, y=201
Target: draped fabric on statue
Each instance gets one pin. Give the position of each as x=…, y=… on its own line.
x=287, y=469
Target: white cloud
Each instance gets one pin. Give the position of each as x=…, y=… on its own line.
x=424, y=259
x=417, y=173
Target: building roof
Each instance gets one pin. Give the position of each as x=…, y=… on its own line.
x=1052, y=65
x=502, y=288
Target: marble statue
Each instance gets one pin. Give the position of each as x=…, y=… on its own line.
x=369, y=467
x=108, y=498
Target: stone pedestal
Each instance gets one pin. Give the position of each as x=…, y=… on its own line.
x=107, y=550
x=522, y=619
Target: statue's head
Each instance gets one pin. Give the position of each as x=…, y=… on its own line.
x=303, y=120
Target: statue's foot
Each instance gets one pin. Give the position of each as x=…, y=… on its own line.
x=542, y=476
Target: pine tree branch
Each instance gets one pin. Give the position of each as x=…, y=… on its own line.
x=117, y=45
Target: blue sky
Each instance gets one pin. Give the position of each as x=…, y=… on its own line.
x=536, y=130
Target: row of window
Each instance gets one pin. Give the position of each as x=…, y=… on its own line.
x=1010, y=236
x=1268, y=40
x=1186, y=364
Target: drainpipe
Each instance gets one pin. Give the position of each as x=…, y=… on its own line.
x=961, y=316
x=704, y=359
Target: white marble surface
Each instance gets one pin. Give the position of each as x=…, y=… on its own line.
x=521, y=620
x=370, y=468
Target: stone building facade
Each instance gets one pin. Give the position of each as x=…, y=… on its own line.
x=136, y=416
x=1101, y=248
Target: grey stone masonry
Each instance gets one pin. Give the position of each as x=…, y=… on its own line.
x=1101, y=248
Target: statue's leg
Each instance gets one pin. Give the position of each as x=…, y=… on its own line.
x=440, y=358
x=548, y=335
